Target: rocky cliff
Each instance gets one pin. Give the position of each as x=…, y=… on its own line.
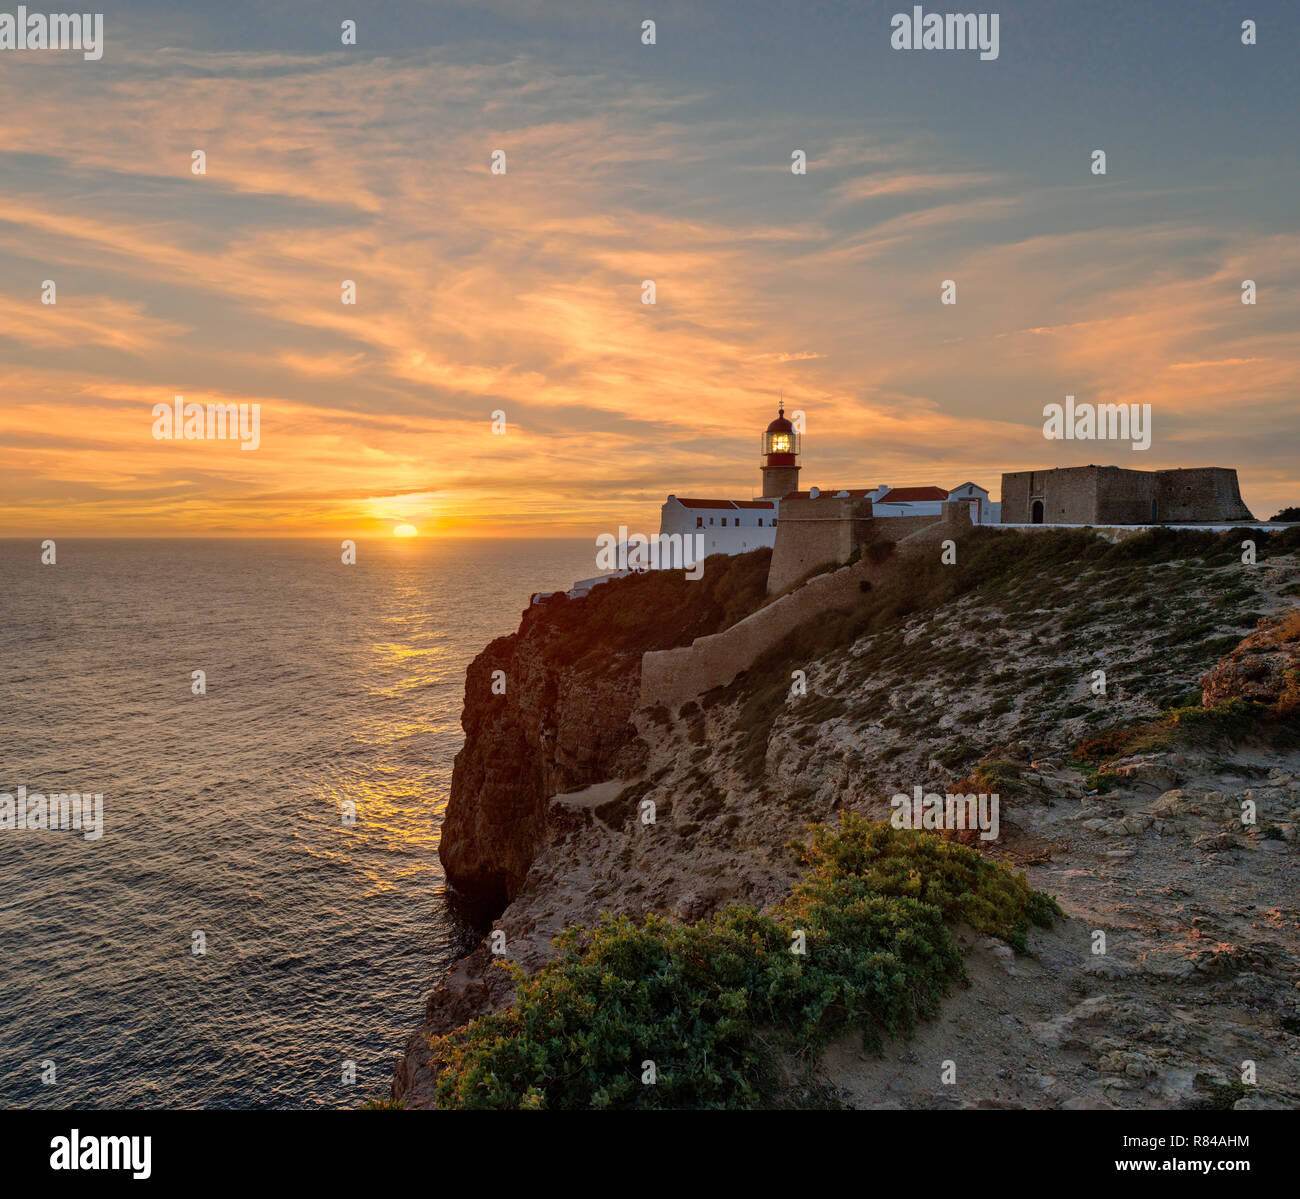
x=1126, y=803
x=549, y=708
x=554, y=729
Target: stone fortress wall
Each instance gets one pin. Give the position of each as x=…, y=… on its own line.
x=673, y=676
x=1186, y=495
x=1112, y=495
x=836, y=526
x=813, y=532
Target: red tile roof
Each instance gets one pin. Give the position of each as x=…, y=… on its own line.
x=905, y=495
x=854, y=493
x=732, y=504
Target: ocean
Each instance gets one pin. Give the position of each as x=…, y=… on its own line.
x=224, y=813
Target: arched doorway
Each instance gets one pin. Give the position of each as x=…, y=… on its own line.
x=1036, y=512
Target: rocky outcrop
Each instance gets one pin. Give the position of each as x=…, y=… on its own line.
x=544, y=727
x=1263, y=668
x=548, y=710
x=471, y=988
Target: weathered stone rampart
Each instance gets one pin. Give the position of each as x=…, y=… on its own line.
x=671, y=677
x=1184, y=495
x=816, y=531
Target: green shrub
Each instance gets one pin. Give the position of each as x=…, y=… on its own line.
x=996, y=776
x=961, y=882
x=1221, y=1096
x=877, y=552
x=711, y=1003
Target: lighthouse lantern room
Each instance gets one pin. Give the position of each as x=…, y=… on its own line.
x=780, y=448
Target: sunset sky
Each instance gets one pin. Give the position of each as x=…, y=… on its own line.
x=522, y=292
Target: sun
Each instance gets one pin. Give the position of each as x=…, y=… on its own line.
x=406, y=531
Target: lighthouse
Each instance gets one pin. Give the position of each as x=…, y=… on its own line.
x=786, y=514
x=780, y=449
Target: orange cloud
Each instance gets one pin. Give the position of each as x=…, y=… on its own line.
x=521, y=294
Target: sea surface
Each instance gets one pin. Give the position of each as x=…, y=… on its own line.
x=224, y=813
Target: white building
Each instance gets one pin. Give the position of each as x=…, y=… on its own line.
x=929, y=501
x=581, y=588
x=889, y=501
x=728, y=526
x=983, y=511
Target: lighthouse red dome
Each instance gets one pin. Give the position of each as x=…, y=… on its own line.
x=780, y=425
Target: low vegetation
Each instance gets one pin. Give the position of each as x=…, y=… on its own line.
x=1229, y=721
x=716, y=1004
x=1063, y=586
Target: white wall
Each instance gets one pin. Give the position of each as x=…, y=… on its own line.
x=988, y=513
x=731, y=538
x=915, y=508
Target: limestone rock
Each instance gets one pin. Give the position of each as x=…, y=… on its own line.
x=1261, y=668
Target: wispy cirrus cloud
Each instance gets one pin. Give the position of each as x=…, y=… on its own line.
x=521, y=293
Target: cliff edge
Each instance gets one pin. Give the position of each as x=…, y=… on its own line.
x=1126, y=803
x=548, y=709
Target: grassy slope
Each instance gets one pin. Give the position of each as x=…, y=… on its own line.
x=1013, y=627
